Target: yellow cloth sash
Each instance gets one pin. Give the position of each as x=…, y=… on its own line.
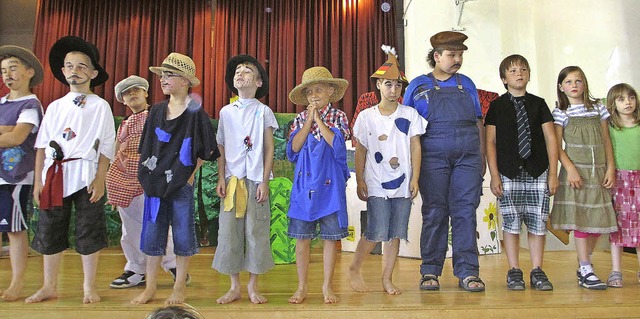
x=237, y=195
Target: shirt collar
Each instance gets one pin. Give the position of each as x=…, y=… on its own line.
x=5, y=98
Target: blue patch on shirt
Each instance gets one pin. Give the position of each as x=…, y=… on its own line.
x=378, y=157
x=403, y=125
x=185, y=152
x=394, y=184
x=162, y=135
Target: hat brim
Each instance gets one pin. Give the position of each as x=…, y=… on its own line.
x=232, y=64
x=68, y=44
x=193, y=81
x=28, y=57
x=119, y=97
x=298, y=97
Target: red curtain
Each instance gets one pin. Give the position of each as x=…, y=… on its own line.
x=130, y=36
x=288, y=37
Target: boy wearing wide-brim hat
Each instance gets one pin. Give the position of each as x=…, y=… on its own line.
x=245, y=141
x=20, y=116
x=73, y=149
x=387, y=163
x=453, y=163
x=176, y=138
x=317, y=147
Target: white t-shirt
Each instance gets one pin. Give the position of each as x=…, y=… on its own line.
x=561, y=117
x=78, y=130
x=387, y=170
x=29, y=116
x=241, y=133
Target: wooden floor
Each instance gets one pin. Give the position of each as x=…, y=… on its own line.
x=566, y=301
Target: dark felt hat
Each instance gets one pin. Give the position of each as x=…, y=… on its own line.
x=28, y=57
x=68, y=44
x=448, y=40
x=231, y=71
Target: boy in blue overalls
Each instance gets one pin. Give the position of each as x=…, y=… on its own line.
x=452, y=163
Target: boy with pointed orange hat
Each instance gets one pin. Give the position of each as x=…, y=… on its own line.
x=387, y=163
x=20, y=116
x=317, y=147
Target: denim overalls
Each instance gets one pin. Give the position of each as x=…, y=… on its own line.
x=450, y=181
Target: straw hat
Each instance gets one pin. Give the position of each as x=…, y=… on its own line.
x=178, y=64
x=68, y=44
x=390, y=69
x=231, y=71
x=27, y=57
x=448, y=40
x=314, y=75
x=133, y=81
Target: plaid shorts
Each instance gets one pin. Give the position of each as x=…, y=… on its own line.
x=524, y=198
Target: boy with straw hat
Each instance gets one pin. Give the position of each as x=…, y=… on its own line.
x=20, y=116
x=387, y=170
x=176, y=138
x=317, y=147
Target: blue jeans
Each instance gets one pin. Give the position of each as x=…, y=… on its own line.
x=178, y=211
x=387, y=218
x=329, y=228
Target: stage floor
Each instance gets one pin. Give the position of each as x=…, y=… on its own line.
x=566, y=301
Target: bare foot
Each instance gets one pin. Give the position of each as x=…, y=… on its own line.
x=329, y=296
x=357, y=282
x=146, y=296
x=178, y=295
x=299, y=296
x=255, y=296
x=91, y=296
x=12, y=293
x=43, y=294
x=390, y=288
x=231, y=296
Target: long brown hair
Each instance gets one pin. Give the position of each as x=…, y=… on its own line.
x=563, y=100
x=615, y=92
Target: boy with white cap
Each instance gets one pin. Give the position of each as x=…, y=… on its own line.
x=176, y=137
x=123, y=189
x=20, y=116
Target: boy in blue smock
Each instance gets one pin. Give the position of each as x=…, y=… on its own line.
x=317, y=147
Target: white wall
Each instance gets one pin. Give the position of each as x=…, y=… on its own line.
x=599, y=36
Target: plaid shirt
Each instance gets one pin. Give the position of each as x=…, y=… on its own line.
x=331, y=117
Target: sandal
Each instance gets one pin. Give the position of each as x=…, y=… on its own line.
x=431, y=286
x=615, y=279
x=464, y=284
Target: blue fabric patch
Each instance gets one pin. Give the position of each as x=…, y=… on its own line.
x=185, y=152
x=394, y=184
x=378, y=157
x=151, y=208
x=403, y=125
x=162, y=135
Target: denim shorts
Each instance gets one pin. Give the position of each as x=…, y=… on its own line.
x=387, y=218
x=329, y=228
x=52, y=232
x=178, y=211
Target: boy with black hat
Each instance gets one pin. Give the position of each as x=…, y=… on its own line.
x=387, y=161
x=176, y=138
x=73, y=149
x=20, y=116
x=317, y=147
x=245, y=141
x=453, y=163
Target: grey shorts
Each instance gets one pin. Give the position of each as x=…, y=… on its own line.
x=524, y=199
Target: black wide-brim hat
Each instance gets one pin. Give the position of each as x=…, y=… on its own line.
x=68, y=44
x=232, y=64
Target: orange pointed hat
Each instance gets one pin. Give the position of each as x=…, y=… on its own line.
x=390, y=69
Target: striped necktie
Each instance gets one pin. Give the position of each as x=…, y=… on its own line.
x=524, y=132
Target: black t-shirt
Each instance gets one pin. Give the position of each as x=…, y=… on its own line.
x=169, y=149
x=502, y=115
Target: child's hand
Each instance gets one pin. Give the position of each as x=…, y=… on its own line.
x=312, y=111
x=574, y=178
x=415, y=188
x=552, y=184
x=262, y=193
x=609, y=179
x=496, y=187
x=96, y=189
x=363, y=192
x=221, y=189
x=37, y=190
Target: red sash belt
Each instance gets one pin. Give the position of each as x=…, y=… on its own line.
x=52, y=192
